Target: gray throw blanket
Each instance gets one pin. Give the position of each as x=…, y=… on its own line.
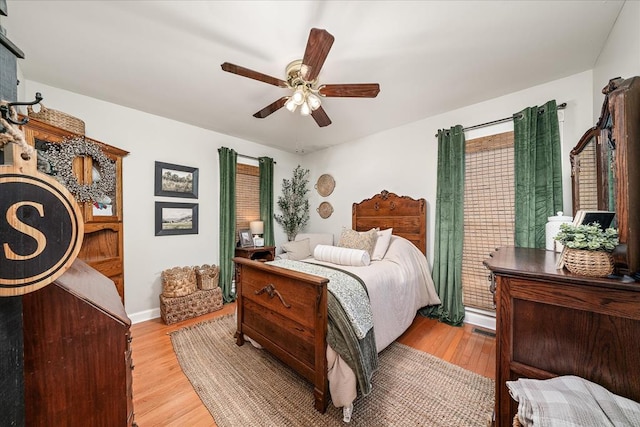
x=350, y=323
x=570, y=401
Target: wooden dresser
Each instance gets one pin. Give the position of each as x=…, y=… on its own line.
x=103, y=246
x=77, y=354
x=551, y=322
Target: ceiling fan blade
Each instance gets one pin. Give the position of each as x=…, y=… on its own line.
x=354, y=90
x=245, y=72
x=321, y=118
x=271, y=108
x=316, y=52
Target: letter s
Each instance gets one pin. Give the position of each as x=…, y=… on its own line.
x=12, y=219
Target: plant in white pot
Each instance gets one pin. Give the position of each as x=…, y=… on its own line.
x=294, y=203
x=588, y=248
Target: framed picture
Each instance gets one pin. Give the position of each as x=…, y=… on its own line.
x=176, y=218
x=245, y=238
x=176, y=181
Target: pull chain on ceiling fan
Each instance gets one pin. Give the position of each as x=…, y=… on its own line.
x=302, y=79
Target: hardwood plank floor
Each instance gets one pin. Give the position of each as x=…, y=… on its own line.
x=163, y=396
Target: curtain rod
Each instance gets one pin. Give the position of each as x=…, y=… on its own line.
x=253, y=158
x=495, y=122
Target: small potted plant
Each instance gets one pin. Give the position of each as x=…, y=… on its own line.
x=588, y=248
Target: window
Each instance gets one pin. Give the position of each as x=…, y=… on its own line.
x=247, y=195
x=489, y=211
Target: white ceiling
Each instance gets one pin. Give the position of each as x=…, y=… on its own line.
x=429, y=57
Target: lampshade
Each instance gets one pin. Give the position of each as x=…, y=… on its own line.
x=256, y=227
x=291, y=105
x=313, y=101
x=304, y=109
x=299, y=95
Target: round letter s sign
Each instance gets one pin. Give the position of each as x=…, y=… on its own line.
x=41, y=231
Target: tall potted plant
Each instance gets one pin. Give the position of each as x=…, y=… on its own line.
x=294, y=203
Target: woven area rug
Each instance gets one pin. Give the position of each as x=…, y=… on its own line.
x=245, y=386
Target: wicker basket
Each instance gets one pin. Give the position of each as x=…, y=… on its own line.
x=58, y=119
x=207, y=276
x=200, y=302
x=178, y=282
x=325, y=185
x=588, y=263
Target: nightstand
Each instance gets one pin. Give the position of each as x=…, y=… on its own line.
x=257, y=253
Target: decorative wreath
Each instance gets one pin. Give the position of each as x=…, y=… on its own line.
x=61, y=157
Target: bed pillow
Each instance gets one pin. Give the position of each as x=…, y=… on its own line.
x=342, y=256
x=316, y=239
x=297, y=250
x=354, y=240
x=382, y=244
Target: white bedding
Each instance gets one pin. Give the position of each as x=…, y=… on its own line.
x=398, y=285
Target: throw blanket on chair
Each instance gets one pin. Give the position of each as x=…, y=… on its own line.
x=350, y=323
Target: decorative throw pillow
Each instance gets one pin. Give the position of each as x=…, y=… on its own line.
x=355, y=240
x=342, y=256
x=297, y=250
x=382, y=244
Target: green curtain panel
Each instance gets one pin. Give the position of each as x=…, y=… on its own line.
x=228, y=158
x=266, y=198
x=447, y=268
x=538, y=172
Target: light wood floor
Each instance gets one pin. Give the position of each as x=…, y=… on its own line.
x=163, y=396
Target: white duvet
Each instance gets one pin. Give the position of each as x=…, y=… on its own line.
x=398, y=286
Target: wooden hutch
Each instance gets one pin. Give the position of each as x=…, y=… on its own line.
x=550, y=322
x=102, y=247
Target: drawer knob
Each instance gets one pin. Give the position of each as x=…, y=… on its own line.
x=271, y=290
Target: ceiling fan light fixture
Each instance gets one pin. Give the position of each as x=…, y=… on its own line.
x=313, y=101
x=305, y=110
x=299, y=95
x=291, y=105
x=301, y=81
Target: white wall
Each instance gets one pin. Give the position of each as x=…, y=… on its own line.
x=620, y=56
x=149, y=138
x=404, y=160
x=401, y=160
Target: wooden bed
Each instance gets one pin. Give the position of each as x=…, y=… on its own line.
x=286, y=311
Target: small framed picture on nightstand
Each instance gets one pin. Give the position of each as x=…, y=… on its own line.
x=245, y=238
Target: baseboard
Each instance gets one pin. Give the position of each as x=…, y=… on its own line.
x=141, y=316
x=473, y=316
x=483, y=318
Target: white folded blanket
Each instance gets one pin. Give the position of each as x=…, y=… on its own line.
x=570, y=401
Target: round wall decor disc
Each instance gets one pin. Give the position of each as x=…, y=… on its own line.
x=325, y=210
x=325, y=185
x=42, y=230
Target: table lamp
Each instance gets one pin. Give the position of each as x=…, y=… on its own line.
x=257, y=228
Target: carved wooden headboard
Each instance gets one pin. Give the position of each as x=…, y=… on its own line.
x=407, y=216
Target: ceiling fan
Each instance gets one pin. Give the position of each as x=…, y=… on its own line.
x=302, y=78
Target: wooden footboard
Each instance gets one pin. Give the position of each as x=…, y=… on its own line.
x=286, y=312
